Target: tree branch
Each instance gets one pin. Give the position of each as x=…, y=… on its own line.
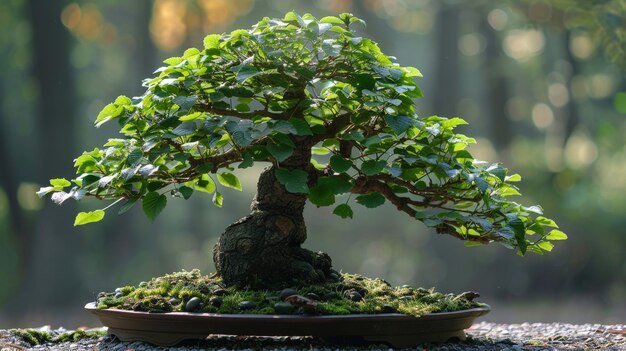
x=220, y=160
x=242, y=115
x=364, y=185
x=334, y=127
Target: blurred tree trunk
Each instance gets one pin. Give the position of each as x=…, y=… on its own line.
x=51, y=276
x=571, y=110
x=497, y=90
x=19, y=226
x=122, y=241
x=145, y=51
x=447, y=71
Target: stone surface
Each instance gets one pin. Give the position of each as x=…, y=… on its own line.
x=481, y=337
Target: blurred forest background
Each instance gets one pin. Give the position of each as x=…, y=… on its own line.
x=542, y=83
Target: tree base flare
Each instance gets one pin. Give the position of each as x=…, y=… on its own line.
x=263, y=250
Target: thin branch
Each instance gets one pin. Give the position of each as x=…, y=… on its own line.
x=243, y=115
x=334, y=127
x=364, y=185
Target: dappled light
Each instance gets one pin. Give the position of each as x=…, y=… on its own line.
x=167, y=26
x=580, y=151
x=522, y=45
x=542, y=116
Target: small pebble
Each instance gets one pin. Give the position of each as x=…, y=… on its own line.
x=388, y=309
x=215, y=302
x=354, y=296
x=193, y=304
x=284, y=308
x=286, y=293
x=118, y=295
x=247, y=305
x=312, y=296
x=219, y=292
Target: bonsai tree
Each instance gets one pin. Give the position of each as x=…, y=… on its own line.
x=329, y=114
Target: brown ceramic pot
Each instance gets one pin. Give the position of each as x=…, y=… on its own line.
x=398, y=330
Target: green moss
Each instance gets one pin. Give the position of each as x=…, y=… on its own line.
x=38, y=337
x=172, y=292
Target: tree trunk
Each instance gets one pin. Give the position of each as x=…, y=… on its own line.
x=262, y=250
x=497, y=91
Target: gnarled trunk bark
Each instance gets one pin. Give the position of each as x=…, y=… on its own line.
x=263, y=248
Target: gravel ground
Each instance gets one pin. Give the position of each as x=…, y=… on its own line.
x=481, y=337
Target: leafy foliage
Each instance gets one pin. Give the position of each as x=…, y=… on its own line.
x=258, y=95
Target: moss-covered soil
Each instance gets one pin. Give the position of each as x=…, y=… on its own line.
x=348, y=294
x=39, y=337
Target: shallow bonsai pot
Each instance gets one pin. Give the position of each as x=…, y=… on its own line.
x=398, y=330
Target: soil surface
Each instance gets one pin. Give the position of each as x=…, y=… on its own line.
x=482, y=336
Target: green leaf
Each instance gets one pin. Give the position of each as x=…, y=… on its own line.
x=246, y=72
x=364, y=81
x=497, y=171
x=229, y=180
x=153, y=203
x=319, y=150
x=127, y=206
x=546, y=245
x=185, y=128
x=205, y=184
x=192, y=117
x=399, y=124
x=109, y=112
x=185, y=102
x=185, y=191
x=301, y=126
x=46, y=190
x=247, y=161
x=343, y=211
x=338, y=184
x=482, y=184
x=321, y=195
x=60, y=182
x=547, y=222
x=513, y=178
x=294, y=181
x=284, y=127
x=212, y=41
x=432, y=222
x=518, y=228
x=453, y=122
x=340, y=164
x=556, y=234
x=280, y=151
x=123, y=100
x=412, y=72
x=218, y=199
x=88, y=217
x=134, y=157
x=332, y=19
x=371, y=200
x=372, y=167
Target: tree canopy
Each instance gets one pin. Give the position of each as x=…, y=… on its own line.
x=256, y=95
